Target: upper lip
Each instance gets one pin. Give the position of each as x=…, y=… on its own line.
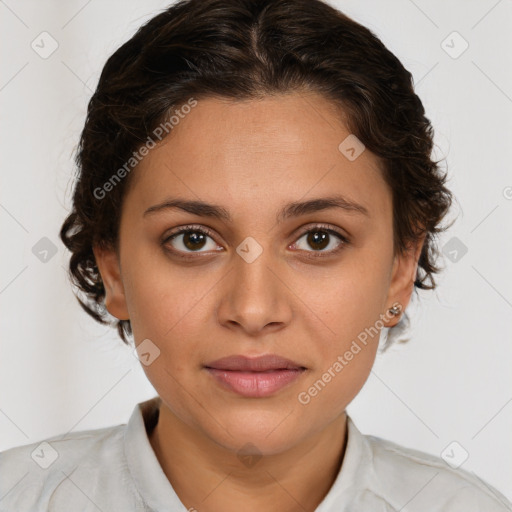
x=254, y=364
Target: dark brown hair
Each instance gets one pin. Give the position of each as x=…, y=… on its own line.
x=244, y=49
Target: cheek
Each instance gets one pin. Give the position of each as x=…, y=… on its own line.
x=345, y=356
x=165, y=304
x=161, y=295
x=351, y=302
x=351, y=298
x=328, y=392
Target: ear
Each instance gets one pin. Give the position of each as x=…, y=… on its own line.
x=108, y=264
x=403, y=276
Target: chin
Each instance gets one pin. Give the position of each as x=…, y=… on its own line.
x=268, y=433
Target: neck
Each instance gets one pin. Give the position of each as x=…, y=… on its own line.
x=208, y=477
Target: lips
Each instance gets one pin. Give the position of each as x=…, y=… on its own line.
x=255, y=377
x=254, y=364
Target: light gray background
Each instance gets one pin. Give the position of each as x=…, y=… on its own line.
x=59, y=371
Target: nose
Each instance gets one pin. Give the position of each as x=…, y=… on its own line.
x=254, y=297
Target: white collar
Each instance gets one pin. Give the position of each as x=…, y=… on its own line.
x=157, y=492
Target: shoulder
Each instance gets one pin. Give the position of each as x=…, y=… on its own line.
x=31, y=474
x=427, y=482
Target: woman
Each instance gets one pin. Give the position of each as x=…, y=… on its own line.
x=256, y=201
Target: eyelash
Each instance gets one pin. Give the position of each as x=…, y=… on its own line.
x=312, y=254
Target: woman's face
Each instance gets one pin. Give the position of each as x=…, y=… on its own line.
x=257, y=274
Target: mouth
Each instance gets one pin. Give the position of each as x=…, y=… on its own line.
x=255, y=377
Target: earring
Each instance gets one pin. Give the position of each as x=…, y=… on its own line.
x=395, y=310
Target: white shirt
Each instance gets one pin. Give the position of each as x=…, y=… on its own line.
x=116, y=469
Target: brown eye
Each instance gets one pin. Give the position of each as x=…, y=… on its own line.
x=190, y=239
x=194, y=240
x=318, y=240
x=321, y=240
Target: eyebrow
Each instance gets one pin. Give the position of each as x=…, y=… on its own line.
x=294, y=209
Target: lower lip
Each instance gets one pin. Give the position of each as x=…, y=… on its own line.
x=255, y=384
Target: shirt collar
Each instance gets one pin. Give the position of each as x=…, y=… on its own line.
x=149, y=477
x=354, y=472
x=158, y=494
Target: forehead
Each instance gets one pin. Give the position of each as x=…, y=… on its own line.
x=289, y=124
x=283, y=147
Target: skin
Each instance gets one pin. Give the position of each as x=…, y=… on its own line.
x=216, y=304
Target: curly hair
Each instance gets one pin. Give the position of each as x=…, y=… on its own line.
x=249, y=49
